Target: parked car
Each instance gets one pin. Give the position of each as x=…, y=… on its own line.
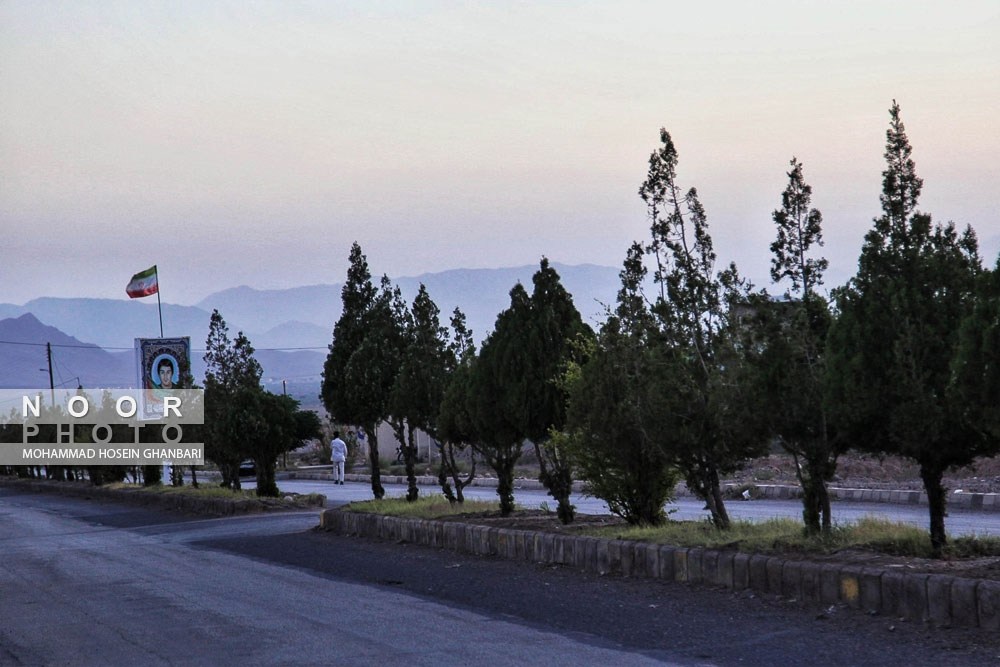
x=247, y=468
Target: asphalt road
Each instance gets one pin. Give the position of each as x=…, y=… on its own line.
x=959, y=521
x=83, y=582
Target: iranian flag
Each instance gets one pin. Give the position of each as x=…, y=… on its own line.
x=143, y=284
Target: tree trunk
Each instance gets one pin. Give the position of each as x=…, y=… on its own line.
x=457, y=478
x=266, y=485
x=230, y=476
x=566, y=510
x=410, y=461
x=705, y=484
x=505, y=486
x=557, y=479
x=824, y=506
x=443, y=478
x=719, y=514
x=936, y=501
x=377, y=490
x=810, y=503
x=151, y=475
x=194, y=476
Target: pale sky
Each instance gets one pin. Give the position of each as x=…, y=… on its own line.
x=250, y=143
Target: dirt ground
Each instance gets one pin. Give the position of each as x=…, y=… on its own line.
x=864, y=471
x=975, y=568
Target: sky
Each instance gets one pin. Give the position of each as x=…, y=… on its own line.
x=252, y=142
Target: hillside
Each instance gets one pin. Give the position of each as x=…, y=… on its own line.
x=23, y=362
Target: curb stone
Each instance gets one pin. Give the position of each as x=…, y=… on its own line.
x=943, y=600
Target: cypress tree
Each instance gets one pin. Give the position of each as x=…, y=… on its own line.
x=793, y=361
x=339, y=397
x=892, y=346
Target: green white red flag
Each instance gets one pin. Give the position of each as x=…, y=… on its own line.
x=143, y=283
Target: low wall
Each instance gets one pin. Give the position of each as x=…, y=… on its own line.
x=939, y=599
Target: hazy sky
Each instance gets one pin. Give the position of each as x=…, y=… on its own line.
x=251, y=143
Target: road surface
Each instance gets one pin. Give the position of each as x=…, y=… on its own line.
x=959, y=521
x=83, y=582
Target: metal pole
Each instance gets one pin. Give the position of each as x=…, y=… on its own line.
x=284, y=456
x=52, y=386
x=159, y=308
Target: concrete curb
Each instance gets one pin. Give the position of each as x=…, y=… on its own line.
x=985, y=502
x=941, y=600
x=167, y=501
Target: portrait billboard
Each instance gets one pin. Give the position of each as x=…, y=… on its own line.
x=159, y=362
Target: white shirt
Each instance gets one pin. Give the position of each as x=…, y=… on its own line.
x=338, y=450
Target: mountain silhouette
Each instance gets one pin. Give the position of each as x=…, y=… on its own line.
x=23, y=362
x=273, y=320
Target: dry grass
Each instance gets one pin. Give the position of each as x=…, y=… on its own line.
x=424, y=507
x=788, y=535
x=211, y=491
x=203, y=491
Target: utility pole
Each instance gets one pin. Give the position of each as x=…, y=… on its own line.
x=52, y=386
x=284, y=456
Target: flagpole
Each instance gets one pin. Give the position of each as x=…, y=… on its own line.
x=159, y=308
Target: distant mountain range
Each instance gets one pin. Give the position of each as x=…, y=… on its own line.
x=480, y=293
x=25, y=365
x=299, y=317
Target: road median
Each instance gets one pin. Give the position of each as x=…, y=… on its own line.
x=938, y=599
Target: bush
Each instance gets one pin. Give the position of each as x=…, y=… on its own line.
x=616, y=439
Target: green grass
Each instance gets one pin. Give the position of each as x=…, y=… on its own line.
x=424, y=507
x=788, y=535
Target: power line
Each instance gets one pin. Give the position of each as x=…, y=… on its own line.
x=102, y=347
x=88, y=347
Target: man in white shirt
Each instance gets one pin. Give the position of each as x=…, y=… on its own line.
x=338, y=452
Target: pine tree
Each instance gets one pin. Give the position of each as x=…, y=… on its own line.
x=340, y=398
x=707, y=440
x=230, y=369
x=617, y=418
x=492, y=396
x=892, y=346
x=552, y=341
x=420, y=384
x=792, y=365
x=372, y=369
x=454, y=421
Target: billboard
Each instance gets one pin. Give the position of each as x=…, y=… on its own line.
x=159, y=362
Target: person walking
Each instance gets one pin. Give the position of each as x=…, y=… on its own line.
x=338, y=453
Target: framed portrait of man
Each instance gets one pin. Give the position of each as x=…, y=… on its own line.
x=159, y=362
